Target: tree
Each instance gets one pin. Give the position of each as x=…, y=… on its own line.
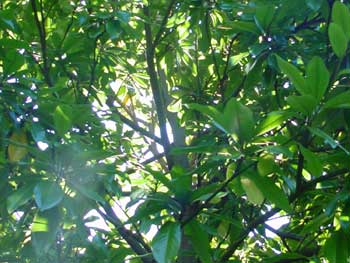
x=173, y=131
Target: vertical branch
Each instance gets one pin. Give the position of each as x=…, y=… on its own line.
x=299, y=175
x=93, y=70
x=151, y=68
x=40, y=24
x=163, y=23
x=207, y=28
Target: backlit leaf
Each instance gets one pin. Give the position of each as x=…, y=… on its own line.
x=317, y=77
x=336, y=248
x=47, y=195
x=166, y=242
x=341, y=101
x=17, y=147
x=272, y=121
x=254, y=193
x=19, y=197
x=294, y=75
x=338, y=39
x=44, y=230
x=304, y=104
x=62, y=119
x=263, y=16
x=200, y=241
x=341, y=17
x=113, y=29
x=313, y=164
x=238, y=119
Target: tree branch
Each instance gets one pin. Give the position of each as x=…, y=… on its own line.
x=329, y=176
x=134, y=126
x=151, y=68
x=261, y=219
x=283, y=234
x=299, y=175
x=163, y=24
x=207, y=29
x=233, y=246
x=42, y=35
x=136, y=243
x=237, y=172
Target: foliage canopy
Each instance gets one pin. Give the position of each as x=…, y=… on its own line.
x=173, y=131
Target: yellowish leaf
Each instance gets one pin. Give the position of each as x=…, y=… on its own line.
x=126, y=99
x=17, y=147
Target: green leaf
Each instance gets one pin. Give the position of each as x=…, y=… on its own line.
x=317, y=78
x=113, y=29
x=273, y=193
x=166, y=242
x=327, y=139
x=263, y=17
x=238, y=119
x=243, y=26
x=294, y=75
x=47, y=195
x=17, y=149
x=341, y=101
x=44, y=230
x=286, y=257
x=254, y=193
x=314, y=4
x=212, y=112
x=273, y=120
x=341, y=17
x=338, y=39
x=336, y=248
x=12, y=61
x=89, y=193
x=62, y=119
x=313, y=164
x=262, y=186
x=181, y=183
x=38, y=132
x=304, y=104
x=200, y=241
x=266, y=165
x=19, y=197
x=123, y=16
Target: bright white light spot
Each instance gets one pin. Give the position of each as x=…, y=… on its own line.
x=279, y=157
x=35, y=119
x=12, y=80
x=64, y=56
x=98, y=223
x=294, y=123
x=18, y=215
x=115, y=85
x=276, y=222
x=110, y=125
x=286, y=85
x=35, y=107
x=21, y=51
x=42, y=145
x=152, y=232
x=28, y=100
x=269, y=39
x=239, y=13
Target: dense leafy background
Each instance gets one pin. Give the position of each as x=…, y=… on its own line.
x=163, y=131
